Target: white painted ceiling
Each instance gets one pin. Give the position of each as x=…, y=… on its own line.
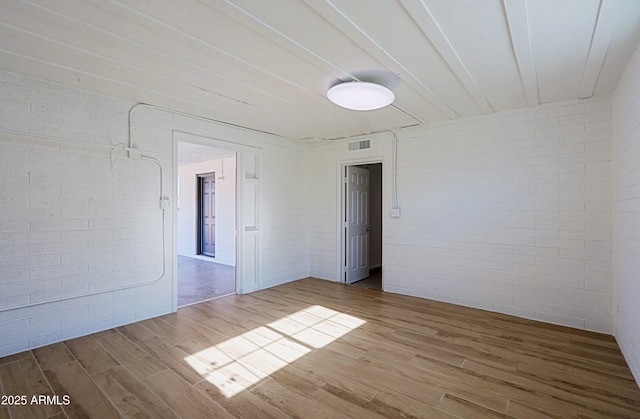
x=189, y=153
x=267, y=64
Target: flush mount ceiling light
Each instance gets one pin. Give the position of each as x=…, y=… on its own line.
x=360, y=95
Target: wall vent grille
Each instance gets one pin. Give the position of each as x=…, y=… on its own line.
x=359, y=145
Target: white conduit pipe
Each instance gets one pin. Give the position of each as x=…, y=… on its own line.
x=394, y=158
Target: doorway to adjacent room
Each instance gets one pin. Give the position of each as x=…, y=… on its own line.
x=206, y=222
x=362, y=225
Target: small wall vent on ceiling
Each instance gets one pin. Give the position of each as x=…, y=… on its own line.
x=359, y=145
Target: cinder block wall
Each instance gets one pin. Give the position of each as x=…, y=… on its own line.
x=509, y=212
x=626, y=216
x=77, y=217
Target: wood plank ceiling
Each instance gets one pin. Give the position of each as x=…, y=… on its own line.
x=267, y=64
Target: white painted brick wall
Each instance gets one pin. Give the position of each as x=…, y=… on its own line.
x=509, y=212
x=626, y=214
x=71, y=223
x=526, y=181
x=60, y=199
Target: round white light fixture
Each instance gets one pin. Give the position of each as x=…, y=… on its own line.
x=360, y=95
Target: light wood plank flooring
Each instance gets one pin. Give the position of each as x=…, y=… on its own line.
x=316, y=349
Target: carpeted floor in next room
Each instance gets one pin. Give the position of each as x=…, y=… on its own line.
x=200, y=280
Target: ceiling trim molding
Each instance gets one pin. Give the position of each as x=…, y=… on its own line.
x=604, y=29
x=518, y=22
x=427, y=22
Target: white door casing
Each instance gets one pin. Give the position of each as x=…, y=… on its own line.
x=356, y=224
x=248, y=239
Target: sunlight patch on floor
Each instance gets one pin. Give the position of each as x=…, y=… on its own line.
x=242, y=361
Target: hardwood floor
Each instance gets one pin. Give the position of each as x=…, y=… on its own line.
x=318, y=349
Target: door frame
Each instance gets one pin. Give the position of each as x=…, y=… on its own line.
x=248, y=160
x=342, y=207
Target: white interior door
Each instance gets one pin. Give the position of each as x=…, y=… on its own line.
x=357, y=224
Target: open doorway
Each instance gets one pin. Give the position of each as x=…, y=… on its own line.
x=206, y=223
x=362, y=225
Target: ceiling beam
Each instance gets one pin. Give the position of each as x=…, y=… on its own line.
x=518, y=22
x=604, y=29
x=427, y=22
